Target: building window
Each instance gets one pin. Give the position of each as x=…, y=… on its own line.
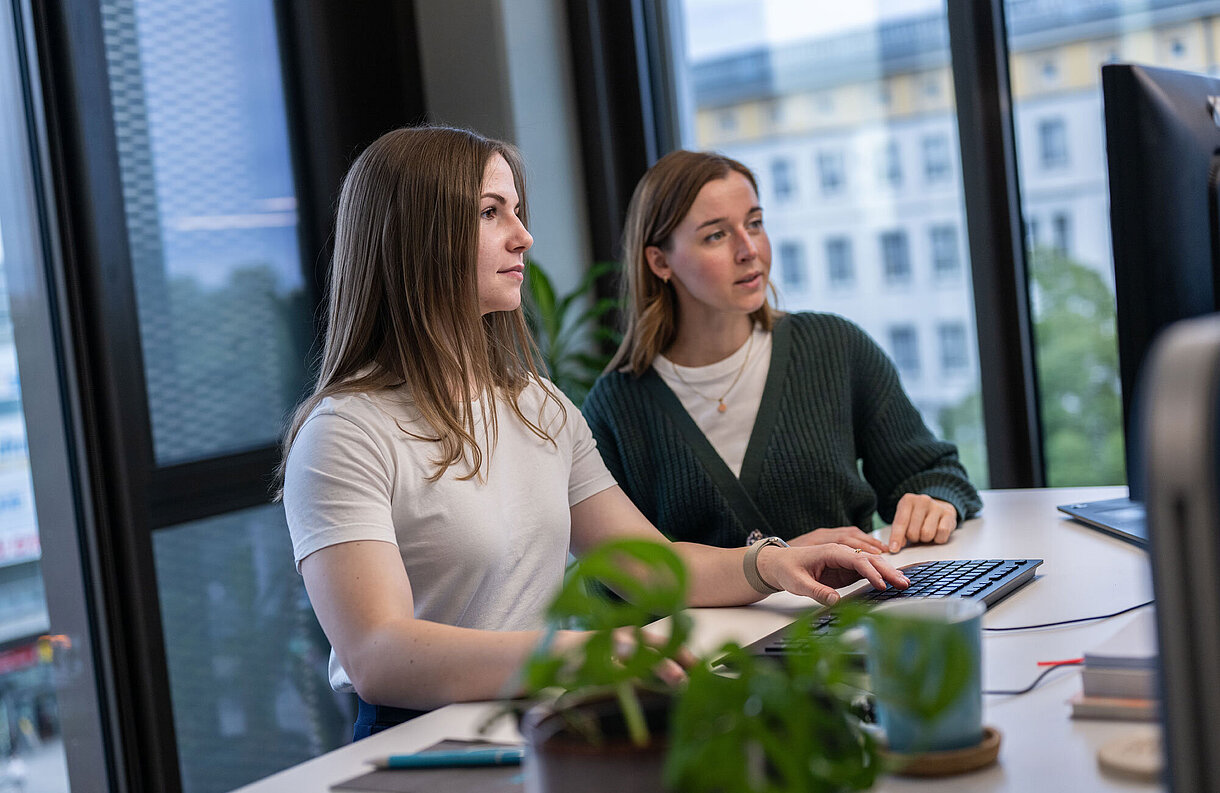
x=830, y=172
x=891, y=164
x=1061, y=233
x=840, y=269
x=945, y=262
x=781, y=180
x=931, y=86
x=936, y=158
x=792, y=264
x=904, y=346
x=1052, y=142
x=895, y=258
x=1050, y=71
x=952, y=338
x=776, y=113
x=1032, y=236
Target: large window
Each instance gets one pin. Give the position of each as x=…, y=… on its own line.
x=30, y=741
x=868, y=103
x=48, y=694
x=224, y=325
x=1056, y=51
x=211, y=219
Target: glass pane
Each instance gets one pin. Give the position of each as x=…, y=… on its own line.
x=1056, y=54
x=845, y=113
x=31, y=752
x=211, y=219
x=31, y=747
x=247, y=659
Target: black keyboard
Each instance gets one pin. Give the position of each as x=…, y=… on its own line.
x=988, y=580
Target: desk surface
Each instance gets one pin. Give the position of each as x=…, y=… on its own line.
x=1085, y=573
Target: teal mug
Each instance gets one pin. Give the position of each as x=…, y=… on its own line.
x=925, y=667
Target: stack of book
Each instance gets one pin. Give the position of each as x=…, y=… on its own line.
x=1119, y=678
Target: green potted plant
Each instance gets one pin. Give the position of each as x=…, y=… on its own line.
x=571, y=329
x=751, y=724
x=601, y=706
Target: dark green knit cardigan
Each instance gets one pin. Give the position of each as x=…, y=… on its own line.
x=832, y=399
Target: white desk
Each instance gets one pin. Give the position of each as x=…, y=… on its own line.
x=1043, y=750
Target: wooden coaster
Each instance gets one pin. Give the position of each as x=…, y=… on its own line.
x=1135, y=755
x=952, y=761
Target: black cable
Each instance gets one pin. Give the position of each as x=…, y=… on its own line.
x=1070, y=622
x=1037, y=680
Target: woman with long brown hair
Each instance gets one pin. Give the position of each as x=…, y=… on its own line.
x=435, y=481
x=725, y=420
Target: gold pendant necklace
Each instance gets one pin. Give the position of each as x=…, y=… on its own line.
x=721, y=405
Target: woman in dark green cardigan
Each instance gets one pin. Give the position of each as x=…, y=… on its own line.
x=726, y=421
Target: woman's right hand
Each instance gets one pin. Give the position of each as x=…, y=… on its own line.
x=671, y=671
x=817, y=571
x=850, y=536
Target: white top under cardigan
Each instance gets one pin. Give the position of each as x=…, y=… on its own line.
x=487, y=555
x=699, y=388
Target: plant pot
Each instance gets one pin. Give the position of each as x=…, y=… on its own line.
x=560, y=759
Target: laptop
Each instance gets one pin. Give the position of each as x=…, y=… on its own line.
x=1123, y=518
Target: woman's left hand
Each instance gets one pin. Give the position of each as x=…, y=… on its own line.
x=816, y=571
x=921, y=518
x=851, y=536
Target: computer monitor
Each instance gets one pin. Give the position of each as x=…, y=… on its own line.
x=1180, y=406
x=1162, y=144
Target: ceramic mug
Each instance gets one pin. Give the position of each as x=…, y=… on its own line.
x=925, y=667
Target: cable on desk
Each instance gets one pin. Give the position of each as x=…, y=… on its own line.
x=1037, y=680
x=1073, y=621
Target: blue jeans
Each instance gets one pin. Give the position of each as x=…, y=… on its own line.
x=372, y=719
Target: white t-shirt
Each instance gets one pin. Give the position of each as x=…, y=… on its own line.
x=488, y=555
x=699, y=387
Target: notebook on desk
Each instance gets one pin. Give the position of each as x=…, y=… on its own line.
x=986, y=580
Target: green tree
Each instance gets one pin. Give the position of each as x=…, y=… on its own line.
x=962, y=425
x=1077, y=361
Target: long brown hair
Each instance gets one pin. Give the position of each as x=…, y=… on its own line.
x=661, y=201
x=403, y=306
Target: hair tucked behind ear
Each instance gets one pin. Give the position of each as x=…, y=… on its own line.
x=661, y=200
x=403, y=305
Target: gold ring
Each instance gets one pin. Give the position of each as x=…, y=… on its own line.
x=859, y=550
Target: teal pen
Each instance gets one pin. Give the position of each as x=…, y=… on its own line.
x=506, y=755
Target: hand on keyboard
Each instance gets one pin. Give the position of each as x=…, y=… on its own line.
x=816, y=571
